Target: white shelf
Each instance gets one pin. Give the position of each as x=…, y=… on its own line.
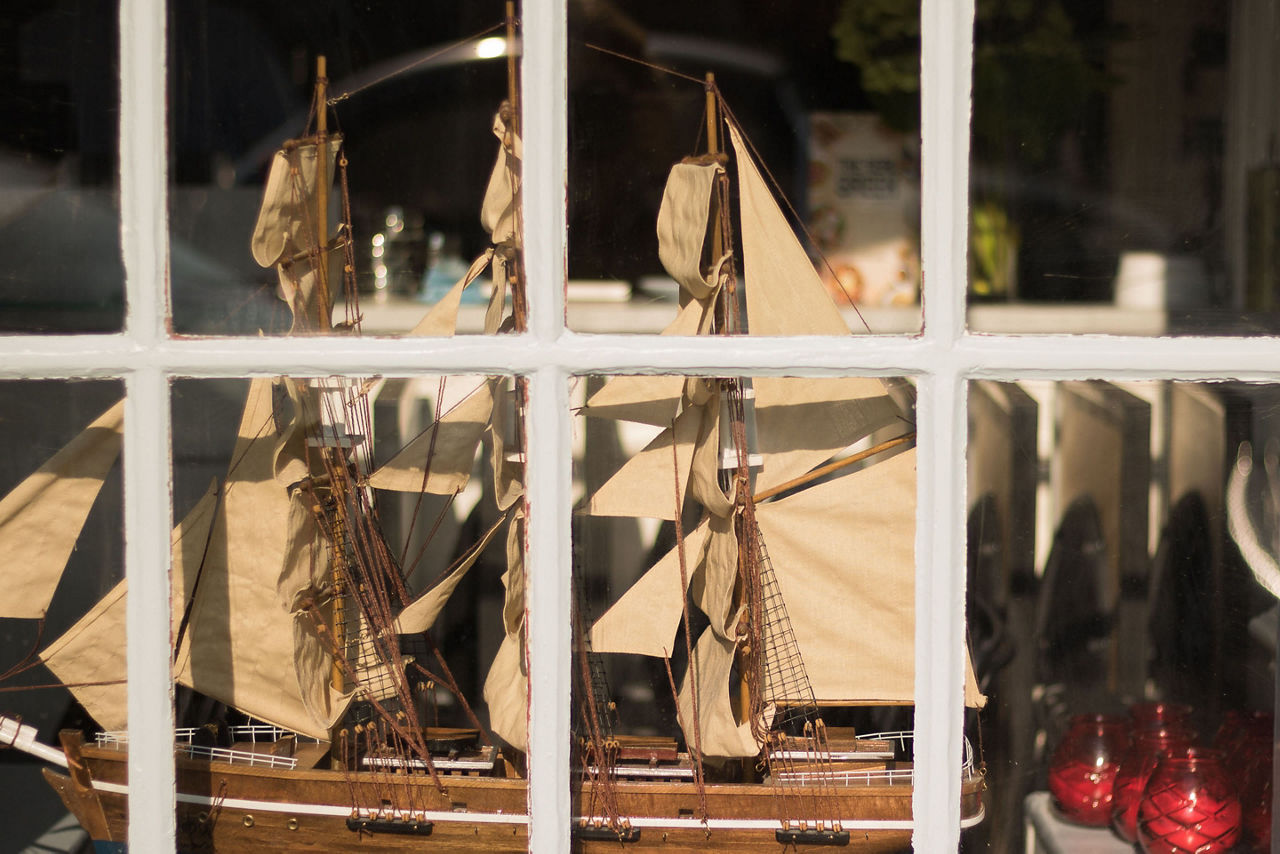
x=397, y=316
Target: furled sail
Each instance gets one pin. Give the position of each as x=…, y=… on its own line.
x=439, y=460
x=287, y=231
x=500, y=216
x=500, y=211
x=506, y=687
x=718, y=730
x=240, y=641
x=286, y=221
x=89, y=657
x=41, y=519
x=682, y=226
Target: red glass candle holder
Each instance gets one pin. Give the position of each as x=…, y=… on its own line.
x=1149, y=746
x=1083, y=768
x=1189, y=805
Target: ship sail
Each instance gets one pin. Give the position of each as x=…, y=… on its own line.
x=287, y=233
x=239, y=646
x=440, y=459
x=90, y=656
x=41, y=518
x=842, y=547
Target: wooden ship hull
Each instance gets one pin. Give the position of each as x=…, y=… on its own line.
x=228, y=806
x=233, y=805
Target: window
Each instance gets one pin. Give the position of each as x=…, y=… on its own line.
x=944, y=359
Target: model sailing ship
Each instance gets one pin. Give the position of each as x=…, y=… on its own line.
x=289, y=605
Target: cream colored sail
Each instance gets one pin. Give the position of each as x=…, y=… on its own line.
x=718, y=730
x=440, y=459
x=682, y=226
x=287, y=221
x=240, y=641
x=645, y=485
x=288, y=230
x=420, y=614
x=89, y=657
x=645, y=619
x=93, y=651
x=843, y=553
x=500, y=216
x=500, y=211
x=506, y=687
x=441, y=321
x=41, y=518
x=802, y=422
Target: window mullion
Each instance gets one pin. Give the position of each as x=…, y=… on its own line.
x=147, y=515
x=144, y=247
x=544, y=123
x=946, y=62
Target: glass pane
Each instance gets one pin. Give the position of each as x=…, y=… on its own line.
x=1124, y=174
x=60, y=263
x=781, y=685
x=414, y=93
x=352, y=629
x=1113, y=542
x=61, y=616
x=820, y=206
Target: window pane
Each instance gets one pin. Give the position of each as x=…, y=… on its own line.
x=60, y=264
x=416, y=112
x=799, y=615
x=1106, y=528
x=825, y=99
x=61, y=523
x=1123, y=168
x=343, y=566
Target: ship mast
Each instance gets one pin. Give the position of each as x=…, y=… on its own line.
x=324, y=299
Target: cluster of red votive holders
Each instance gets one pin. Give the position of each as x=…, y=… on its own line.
x=1147, y=777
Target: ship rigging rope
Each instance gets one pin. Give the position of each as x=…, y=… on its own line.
x=777, y=188
x=396, y=72
x=601, y=788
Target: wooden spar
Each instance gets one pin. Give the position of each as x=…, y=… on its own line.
x=737, y=426
x=513, y=88
x=823, y=471
x=324, y=300
x=324, y=319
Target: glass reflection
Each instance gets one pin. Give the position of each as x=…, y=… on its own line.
x=60, y=263
x=1121, y=549
x=794, y=105
x=415, y=92
x=1123, y=175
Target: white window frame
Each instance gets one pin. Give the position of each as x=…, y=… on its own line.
x=943, y=359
